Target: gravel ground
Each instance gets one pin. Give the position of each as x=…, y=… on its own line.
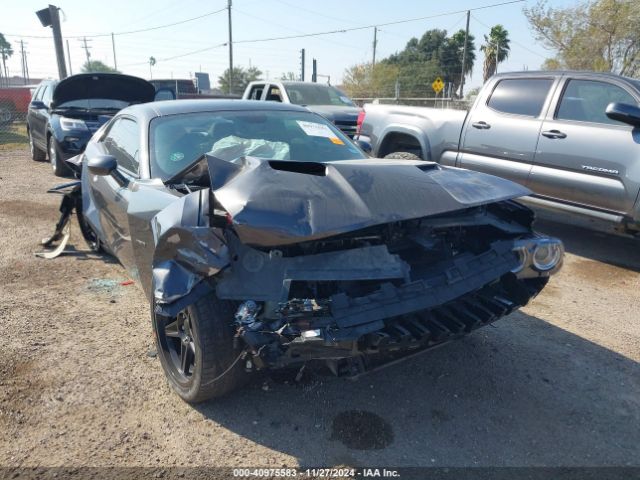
x=556, y=384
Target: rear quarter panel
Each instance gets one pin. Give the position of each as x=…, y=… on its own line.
x=436, y=130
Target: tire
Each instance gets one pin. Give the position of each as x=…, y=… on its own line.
x=36, y=154
x=217, y=367
x=403, y=156
x=57, y=162
x=90, y=236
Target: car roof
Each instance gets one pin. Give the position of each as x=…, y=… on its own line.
x=558, y=73
x=176, y=107
x=288, y=82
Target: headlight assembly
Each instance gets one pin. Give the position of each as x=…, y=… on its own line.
x=72, y=124
x=537, y=256
x=547, y=254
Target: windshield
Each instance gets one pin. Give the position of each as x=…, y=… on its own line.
x=314, y=94
x=176, y=141
x=95, y=103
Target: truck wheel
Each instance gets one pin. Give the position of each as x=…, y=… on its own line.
x=196, y=350
x=7, y=113
x=403, y=156
x=36, y=154
x=57, y=163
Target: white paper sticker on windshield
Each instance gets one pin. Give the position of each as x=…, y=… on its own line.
x=316, y=129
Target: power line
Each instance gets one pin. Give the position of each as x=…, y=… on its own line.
x=95, y=35
x=179, y=56
x=396, y=22
x=292, y=29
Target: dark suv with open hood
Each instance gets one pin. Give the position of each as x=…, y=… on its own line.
x=63, y=115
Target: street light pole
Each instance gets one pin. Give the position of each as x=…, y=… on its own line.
x=49, y=17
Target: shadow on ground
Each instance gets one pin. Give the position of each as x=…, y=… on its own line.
x=523, y=393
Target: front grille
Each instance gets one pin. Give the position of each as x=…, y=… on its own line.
x=347, y=126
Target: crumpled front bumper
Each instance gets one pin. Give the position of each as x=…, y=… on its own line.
x=449, y=299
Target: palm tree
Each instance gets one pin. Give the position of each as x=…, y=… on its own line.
x=5, y=52
x=496, y=49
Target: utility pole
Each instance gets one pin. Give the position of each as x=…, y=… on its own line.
x=26, y=68
x=24, y=74
x=230, y=48
x=302, y=65
x=69, y=58
x=464, y=55
x=113, y=45
x=314, y=71
x=86, y=51
x=375, y=44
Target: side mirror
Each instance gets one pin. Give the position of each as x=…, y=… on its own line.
x=625, y=113
x=365, y=146
x=102, y=165
x=38, y=105
x=164, y=94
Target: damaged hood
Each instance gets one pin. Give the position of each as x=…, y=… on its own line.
x=275, y=203
x=112, y=86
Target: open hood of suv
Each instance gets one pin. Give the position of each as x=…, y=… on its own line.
x=113, y=86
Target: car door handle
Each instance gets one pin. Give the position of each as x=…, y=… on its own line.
x=554, y=134
x=481, y=125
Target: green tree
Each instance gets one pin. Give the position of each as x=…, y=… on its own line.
x=241, y=78
x=93, y=66
x=433, y=55
x=600, y=35
x=5, y=52
x=288, y=76
x=496, y=50
x=365, y=81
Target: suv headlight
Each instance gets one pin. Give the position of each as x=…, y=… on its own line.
x=547, y=254
x=72, y=124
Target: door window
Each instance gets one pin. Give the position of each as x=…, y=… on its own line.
x=38, y=93
x=256, y=92
x=123, y=142
x=273, y=94
x=46, y=95
x=587, y=100
x=522, y=96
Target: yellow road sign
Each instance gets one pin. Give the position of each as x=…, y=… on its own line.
x=437, y=85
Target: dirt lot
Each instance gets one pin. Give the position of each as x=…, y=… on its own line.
x=555, y=384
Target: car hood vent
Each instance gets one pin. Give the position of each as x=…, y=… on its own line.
x=308, y=168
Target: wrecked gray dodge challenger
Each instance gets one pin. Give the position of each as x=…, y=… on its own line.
x=264, y=238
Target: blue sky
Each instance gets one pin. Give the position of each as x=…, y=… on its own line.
x=254, y=19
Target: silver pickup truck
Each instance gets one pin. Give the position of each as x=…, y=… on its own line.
x=573, y=138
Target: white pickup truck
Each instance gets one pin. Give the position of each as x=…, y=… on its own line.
x=573, y=138
x=323, y=99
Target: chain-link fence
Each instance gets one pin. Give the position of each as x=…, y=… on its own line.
x=412, y=93
x=14, y=104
